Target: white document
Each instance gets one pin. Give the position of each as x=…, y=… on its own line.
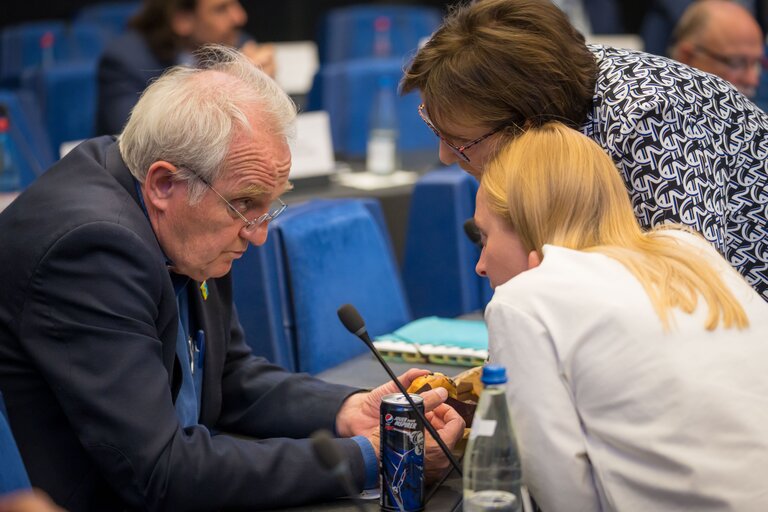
x=312, y=149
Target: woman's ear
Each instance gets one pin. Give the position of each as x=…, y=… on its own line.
x=534, y=260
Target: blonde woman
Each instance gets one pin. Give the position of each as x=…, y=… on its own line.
x=638, y=361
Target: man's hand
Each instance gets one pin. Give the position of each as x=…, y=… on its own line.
x=27, y=501
x=359, y=415
x=360, y=412
x=450, y=425
x=262, y=55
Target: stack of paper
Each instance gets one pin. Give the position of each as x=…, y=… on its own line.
x=437, y=340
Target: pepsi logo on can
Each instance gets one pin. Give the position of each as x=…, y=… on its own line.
x=402, y=454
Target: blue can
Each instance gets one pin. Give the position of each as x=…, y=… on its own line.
x=401, y=470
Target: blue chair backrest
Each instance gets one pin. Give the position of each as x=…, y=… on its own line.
x=347, y=92
x=86, y=40
x=113, y=16
x=439, y=262
x=28, y=134
x=336, y=252
x=263, y=303
x=348, y=32
x=13, y=476
x=67, y=95
x=22, y=48
x=262, y=292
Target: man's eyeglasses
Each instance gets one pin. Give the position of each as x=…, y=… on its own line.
x=276, y=208
x=736, y=63
x=459, y=150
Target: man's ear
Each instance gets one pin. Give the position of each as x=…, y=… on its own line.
x=534, y=260
x=183, y=23
x=160, y=185
x=684, y=52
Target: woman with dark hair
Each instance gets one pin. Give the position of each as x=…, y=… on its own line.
x=636, y=360
x=689, y=147
x=165, y=33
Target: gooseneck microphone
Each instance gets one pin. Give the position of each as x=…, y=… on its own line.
x=333, y=460
x=470, y=229
x=355, y=324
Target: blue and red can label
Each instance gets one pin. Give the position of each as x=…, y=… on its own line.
x=401, y=470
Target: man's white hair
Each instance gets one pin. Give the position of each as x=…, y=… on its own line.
x=189, y=116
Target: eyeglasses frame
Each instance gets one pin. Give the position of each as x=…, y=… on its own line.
x=730, y=61
x=250, y=225
x=458, y=150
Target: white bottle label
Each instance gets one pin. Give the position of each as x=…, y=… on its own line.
x=382, y=153
x=482, y=428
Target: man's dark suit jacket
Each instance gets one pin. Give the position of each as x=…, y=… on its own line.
x=88, y=322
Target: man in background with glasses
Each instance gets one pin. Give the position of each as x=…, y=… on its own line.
x=127, y=380
x=721, y=37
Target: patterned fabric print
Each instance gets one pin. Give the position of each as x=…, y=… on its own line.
x=690, y=149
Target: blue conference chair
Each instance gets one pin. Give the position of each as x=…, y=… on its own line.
x=347, y=91
x=66, y=93
x=273, y=287
x=337, y=253
x=349, y=32
x=28, y=45
x=113, y=16
x=29, y=136
x=439, y=262
x=86, y=40
x=13, y=476
x=263, y=304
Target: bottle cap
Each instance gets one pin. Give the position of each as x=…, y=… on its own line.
x=494, y=374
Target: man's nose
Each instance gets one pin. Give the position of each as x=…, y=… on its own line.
x=257, y=236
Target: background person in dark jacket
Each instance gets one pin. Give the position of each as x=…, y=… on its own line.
x=166, y=33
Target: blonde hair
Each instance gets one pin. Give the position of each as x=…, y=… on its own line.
x=556, y=186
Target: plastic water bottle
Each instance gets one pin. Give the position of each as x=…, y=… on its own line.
x=10, y=180
x=492, y=476
x=47, y=41
x=381, y=151
x=382, y=37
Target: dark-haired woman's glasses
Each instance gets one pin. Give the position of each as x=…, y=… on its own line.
x=458, y=150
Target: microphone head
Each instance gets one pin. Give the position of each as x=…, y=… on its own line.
x=470, y=229
x=326, y=450
x=351, y=319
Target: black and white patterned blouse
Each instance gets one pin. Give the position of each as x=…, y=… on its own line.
x=691, y=150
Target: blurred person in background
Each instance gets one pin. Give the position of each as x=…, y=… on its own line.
x=636, y=359
x=721, y=37
x=690, y=148
x=165, y=33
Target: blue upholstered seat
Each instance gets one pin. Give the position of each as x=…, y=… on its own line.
x=13, y=476
x=348, y=32
x=262, y=301
x=22, y=47
x=318, y=256
x=28, y=134
x=346, y=90
x=66, y=93
x=439, y=262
